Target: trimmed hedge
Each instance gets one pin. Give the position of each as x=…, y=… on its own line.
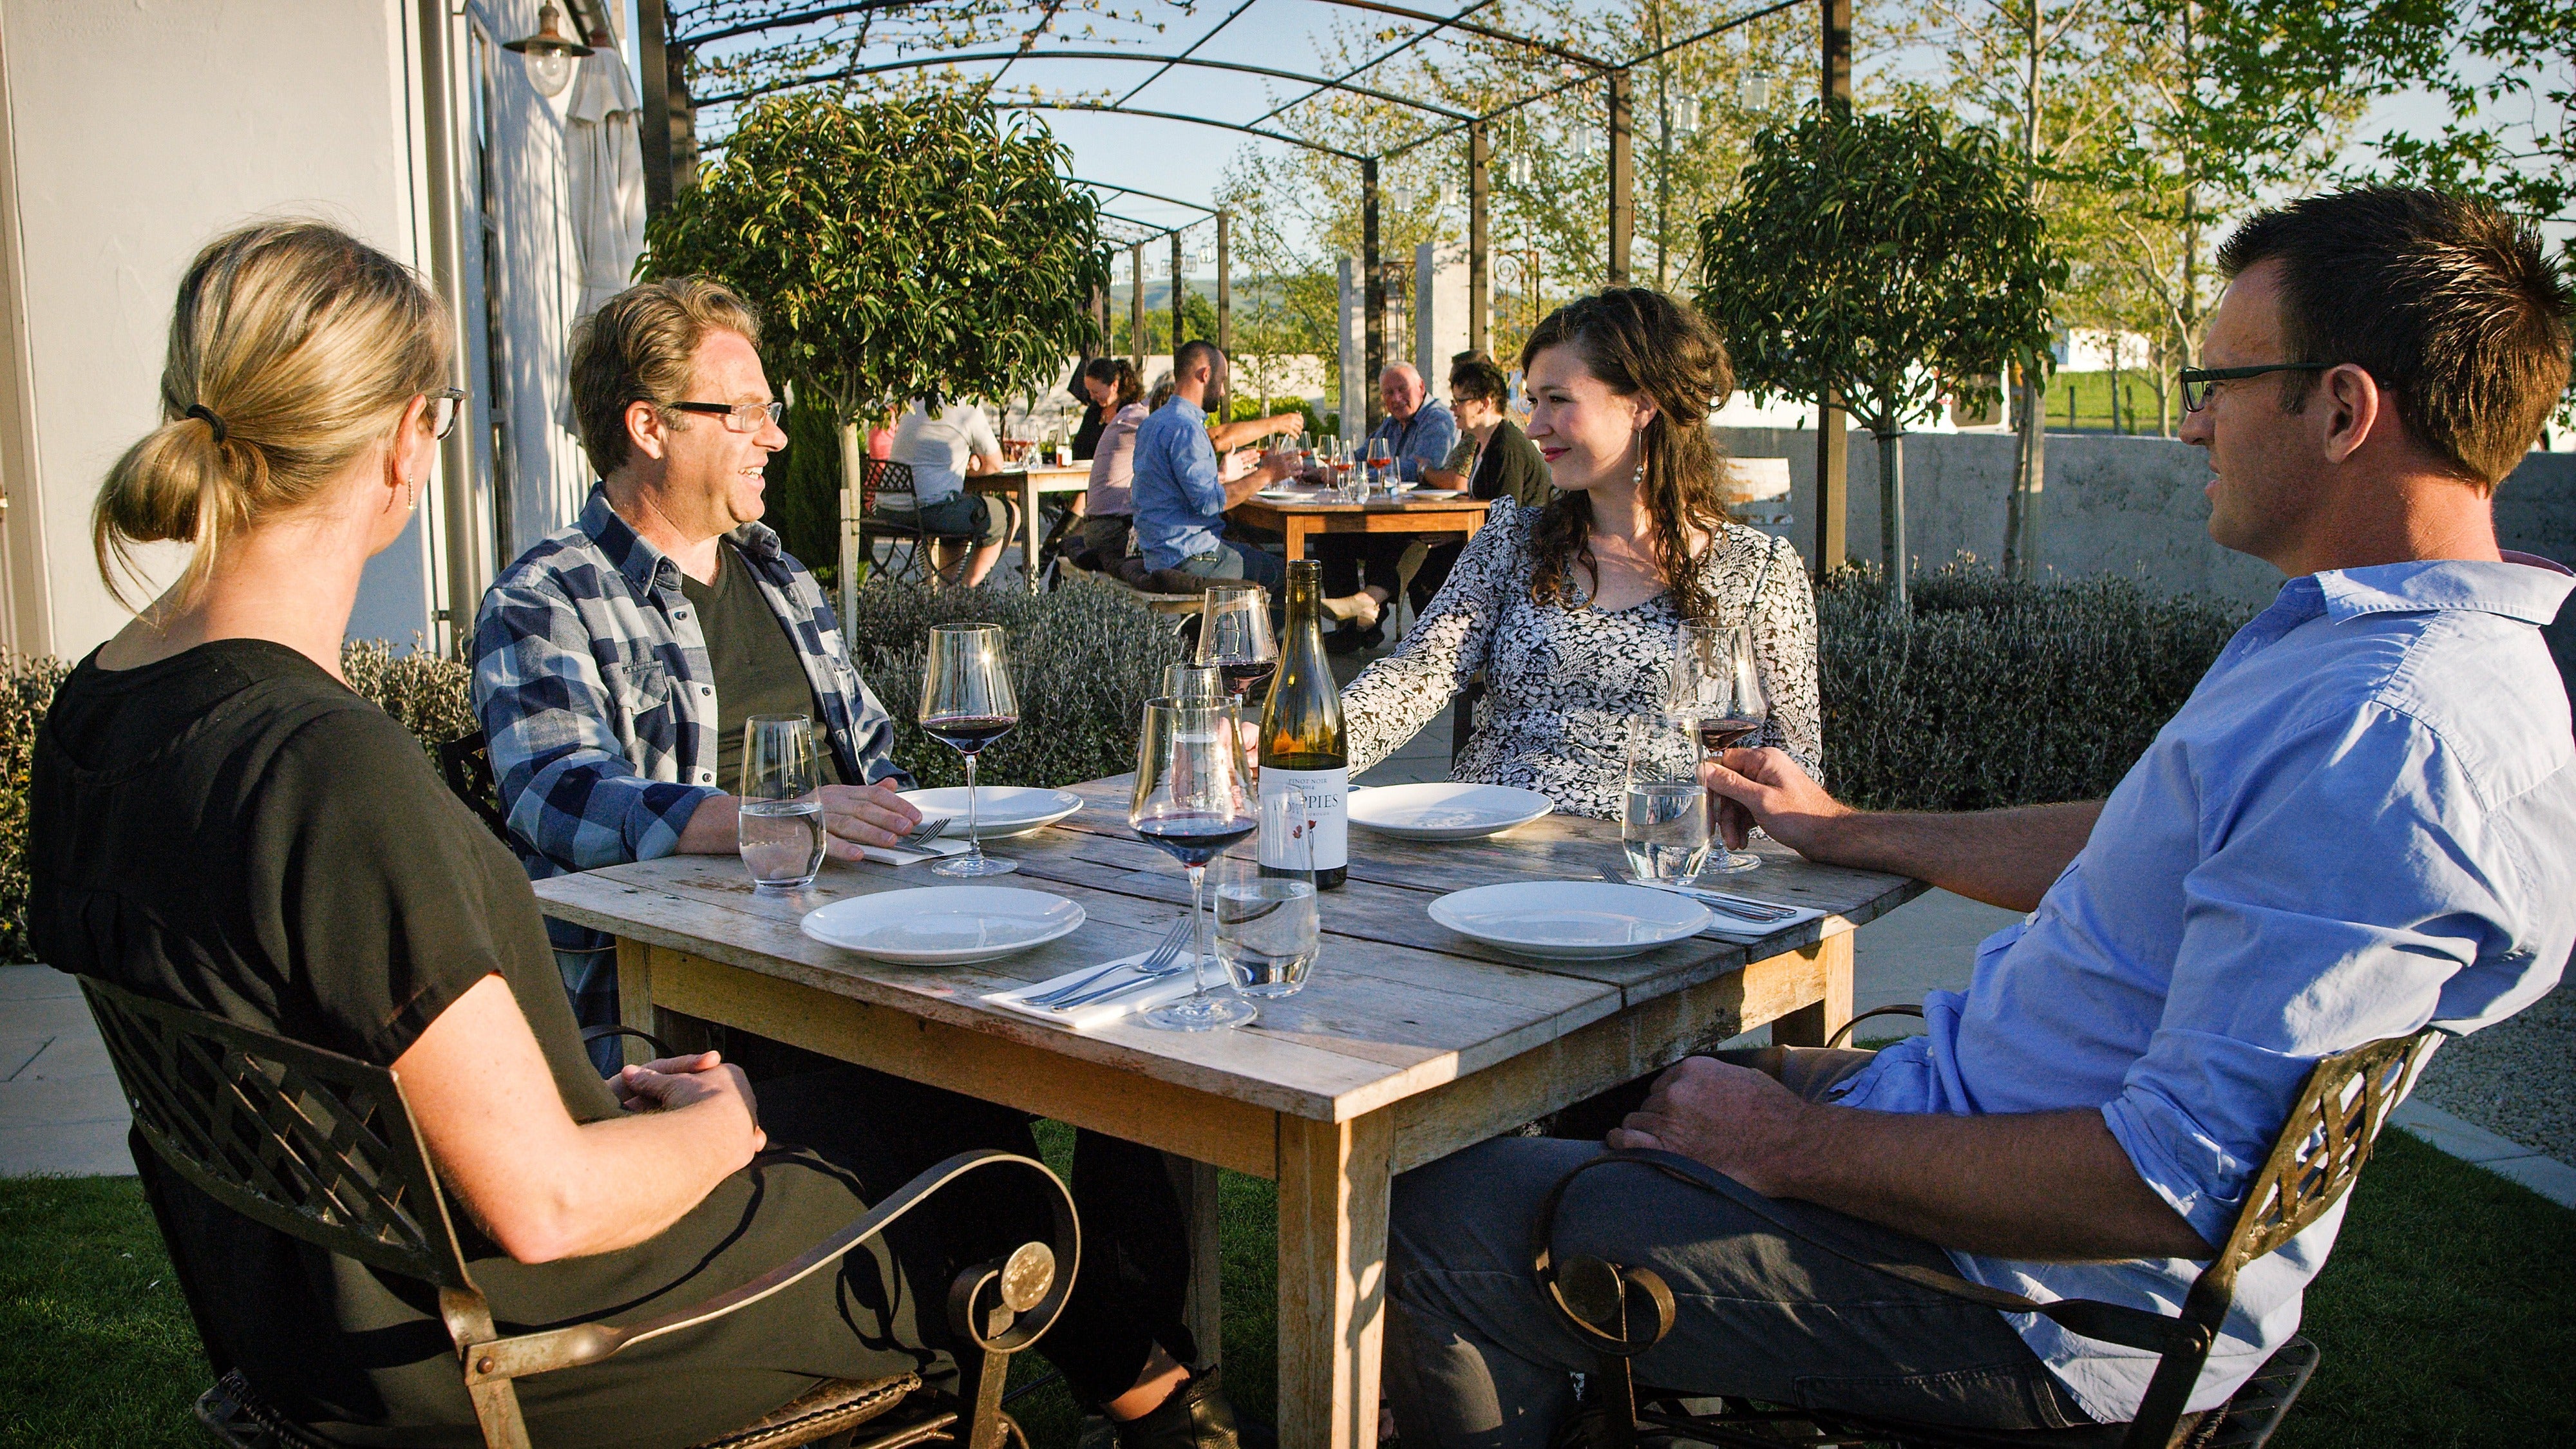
x=1996, y=694
x=2001, y=693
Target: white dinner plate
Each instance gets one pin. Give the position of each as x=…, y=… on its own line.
x=1293, y=495
x=1428, y=495
x=1568, y=920
x=945, y=925
x=1001, y=811
x=1445, y=811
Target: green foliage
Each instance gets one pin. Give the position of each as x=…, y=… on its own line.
x=1084, y=659
x=1877, y=255
x=911, y=248
x=1998, y=692
x=804, y=495
x=27, y=686
x=427, y=693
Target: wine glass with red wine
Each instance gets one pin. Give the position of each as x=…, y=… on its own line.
x=1717, y=685
x=966, y=704
x=1193, y=801
x=1235, y=636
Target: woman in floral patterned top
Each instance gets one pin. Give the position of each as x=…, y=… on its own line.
x=1572, y=612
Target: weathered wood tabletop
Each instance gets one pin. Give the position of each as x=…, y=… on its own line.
x=1409, y=1042
x=1297, y=520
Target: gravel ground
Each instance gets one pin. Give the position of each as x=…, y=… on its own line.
x=2517, y=1078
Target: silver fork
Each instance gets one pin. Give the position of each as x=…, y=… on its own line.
x=1165, y=962
x=1153, y=964
x=924, y=833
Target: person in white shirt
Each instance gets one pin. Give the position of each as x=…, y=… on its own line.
x=943, y=449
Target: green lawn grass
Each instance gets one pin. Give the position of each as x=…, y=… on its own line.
x=2444, y=1316
x=2091, y=399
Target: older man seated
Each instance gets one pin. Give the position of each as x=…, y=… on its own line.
x=2356, y=826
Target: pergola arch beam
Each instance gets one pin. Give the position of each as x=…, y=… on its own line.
x=925, y=62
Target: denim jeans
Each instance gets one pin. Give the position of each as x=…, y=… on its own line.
x=1475, y=1355
x=1236, y=561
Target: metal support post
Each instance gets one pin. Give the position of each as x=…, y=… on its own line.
x=1374, y=268
x=1623, y=177
x=1480, y=276
x=1136, y=308
x=1177, y=281
x=652, y=24
x=1833, y=446
x=1224, y=288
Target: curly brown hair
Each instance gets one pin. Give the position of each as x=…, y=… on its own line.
x=1641, y=342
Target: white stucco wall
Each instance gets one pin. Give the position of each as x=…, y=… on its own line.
x=138, y=131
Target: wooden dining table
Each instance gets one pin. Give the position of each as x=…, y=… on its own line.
x=1408, y=1043
x=1027, y=483
x=1298, y=519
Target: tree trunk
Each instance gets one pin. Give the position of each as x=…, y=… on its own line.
x=1891, y=518
x=854, y=465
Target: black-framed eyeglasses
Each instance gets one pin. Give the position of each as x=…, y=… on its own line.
x=2197, y=381
x=738, y=417
x=445, y=406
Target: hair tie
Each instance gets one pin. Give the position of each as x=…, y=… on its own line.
x=200, y=410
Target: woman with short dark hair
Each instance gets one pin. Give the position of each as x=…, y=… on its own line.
x=1571, y=612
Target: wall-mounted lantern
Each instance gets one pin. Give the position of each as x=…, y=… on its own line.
x=549, y=53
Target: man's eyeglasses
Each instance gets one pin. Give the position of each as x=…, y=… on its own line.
x=445, y=406
x=2197, y=382
x=738, y=417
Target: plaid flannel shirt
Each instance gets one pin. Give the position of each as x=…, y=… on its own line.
x=592, y=683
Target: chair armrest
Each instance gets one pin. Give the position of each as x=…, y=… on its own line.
x=581, y=1343
x=1899, y=1009
x=660, y=1047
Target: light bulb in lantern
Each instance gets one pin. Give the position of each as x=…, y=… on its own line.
x=549, y=53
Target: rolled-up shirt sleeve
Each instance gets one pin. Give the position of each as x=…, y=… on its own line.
x=567, y=787
x=2347, y=885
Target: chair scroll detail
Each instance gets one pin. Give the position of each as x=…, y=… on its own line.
x=323, y=1147
x=1624, y=1311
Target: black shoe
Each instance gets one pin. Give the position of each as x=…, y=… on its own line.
x=1345, y=640
x=1196, y=1416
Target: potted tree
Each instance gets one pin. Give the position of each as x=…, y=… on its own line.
x=1882, y=257
x=913, y=248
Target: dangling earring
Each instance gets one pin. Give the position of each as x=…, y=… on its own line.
x=411, y=494
x=1641, y=468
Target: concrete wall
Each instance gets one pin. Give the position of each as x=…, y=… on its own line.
x=2111, y=505
x=135, y=134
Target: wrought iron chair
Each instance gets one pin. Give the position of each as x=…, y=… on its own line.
x=1622, y=1311
x=883, y=478
x=322, y=1147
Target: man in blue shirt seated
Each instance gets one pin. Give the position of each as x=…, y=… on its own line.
x=1418, y=428
x=2356, y=826
x=1179, y=493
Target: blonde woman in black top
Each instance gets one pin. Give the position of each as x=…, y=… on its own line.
x=218, y=822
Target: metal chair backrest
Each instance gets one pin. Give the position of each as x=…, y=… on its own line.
x=314, y=1144
x=466, y=764
x=880, y=476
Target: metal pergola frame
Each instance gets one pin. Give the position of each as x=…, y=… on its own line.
x=670, y=144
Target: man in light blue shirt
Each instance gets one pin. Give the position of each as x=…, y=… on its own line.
x=1181, y=496
x=2357, y=826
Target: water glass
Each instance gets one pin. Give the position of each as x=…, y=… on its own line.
x=1267, y=934
x=1666, y=824
x=779, y=820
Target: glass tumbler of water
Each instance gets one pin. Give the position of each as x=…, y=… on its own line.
x=1267, y=935
x=1665, y=827
x=779, y=824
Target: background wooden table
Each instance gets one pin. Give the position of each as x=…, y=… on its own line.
x=1026, y=484
x=1409, y=1042
x=1299, y=521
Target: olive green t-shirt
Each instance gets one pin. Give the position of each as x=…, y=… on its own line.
x=757, y=671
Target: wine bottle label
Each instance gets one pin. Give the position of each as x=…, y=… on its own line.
x=1327, y=806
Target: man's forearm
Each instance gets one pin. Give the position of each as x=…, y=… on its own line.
x=2045, y=1187
x=713, y=829
x=2005, y=858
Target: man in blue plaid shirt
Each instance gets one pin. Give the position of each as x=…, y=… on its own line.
x=616, y=661
x=614, y=665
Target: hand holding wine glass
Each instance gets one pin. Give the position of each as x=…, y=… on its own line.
x=966, y=704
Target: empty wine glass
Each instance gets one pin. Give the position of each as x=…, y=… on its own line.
x=1717, y=684
x=1192, y=801
x=966, y=704
x=1235, y=636
x=778, y=823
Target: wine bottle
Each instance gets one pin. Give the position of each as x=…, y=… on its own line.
x=1302, y=745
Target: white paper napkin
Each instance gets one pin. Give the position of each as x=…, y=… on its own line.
x=1736, y=928
x=890, y=855
x=1127, y=1003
